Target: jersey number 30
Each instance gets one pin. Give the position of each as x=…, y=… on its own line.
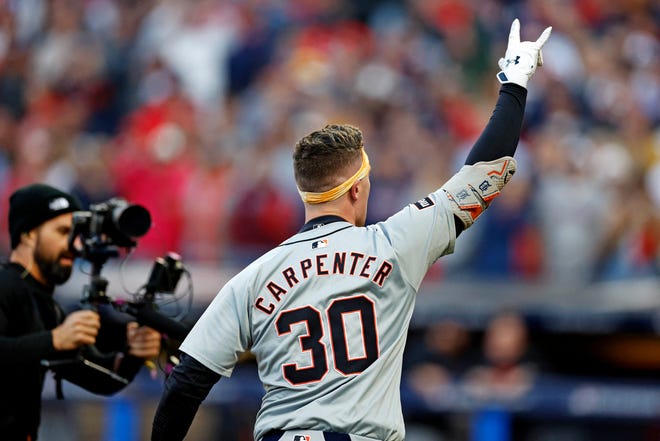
x=312, y=341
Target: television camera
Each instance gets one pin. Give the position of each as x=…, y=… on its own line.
x=98, y=235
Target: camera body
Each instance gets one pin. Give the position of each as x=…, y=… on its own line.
x=106, y=226
x=97, y=235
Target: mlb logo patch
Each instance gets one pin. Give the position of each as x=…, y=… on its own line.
x=319, y=244
x=302, y=438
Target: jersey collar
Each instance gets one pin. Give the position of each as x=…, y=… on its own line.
x=320, y=221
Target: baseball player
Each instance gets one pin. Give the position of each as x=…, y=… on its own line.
x=326, y=313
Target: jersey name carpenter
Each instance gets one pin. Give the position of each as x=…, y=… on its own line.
x=340, y=263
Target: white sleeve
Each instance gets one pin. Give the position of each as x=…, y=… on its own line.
x=420, y=234
x=221, y=334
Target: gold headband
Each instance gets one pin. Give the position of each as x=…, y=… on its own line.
x=334, y=193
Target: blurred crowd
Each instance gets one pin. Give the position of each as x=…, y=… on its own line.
x=450, y=369
x=192, y=108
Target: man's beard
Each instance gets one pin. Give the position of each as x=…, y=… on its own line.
x=52, y=270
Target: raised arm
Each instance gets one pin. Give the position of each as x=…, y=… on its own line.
x=490, y=164
x=501, y=135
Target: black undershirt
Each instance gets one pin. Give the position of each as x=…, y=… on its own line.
x=501, y=135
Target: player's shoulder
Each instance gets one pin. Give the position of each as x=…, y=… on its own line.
x=259, y=267
x=430, y=206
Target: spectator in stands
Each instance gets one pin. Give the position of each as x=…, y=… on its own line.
x=506, y=372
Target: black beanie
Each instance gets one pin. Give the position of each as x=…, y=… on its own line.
x=35, y=204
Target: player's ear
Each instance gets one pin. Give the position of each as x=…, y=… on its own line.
x=355, y=192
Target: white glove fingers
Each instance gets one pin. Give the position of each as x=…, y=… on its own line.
x=544, y=37
x=514, y=33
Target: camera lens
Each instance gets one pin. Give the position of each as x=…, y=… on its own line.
x=132, y=220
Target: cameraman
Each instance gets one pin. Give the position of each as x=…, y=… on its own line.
x=33, y=326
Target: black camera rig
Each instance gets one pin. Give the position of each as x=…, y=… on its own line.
x=98, y=235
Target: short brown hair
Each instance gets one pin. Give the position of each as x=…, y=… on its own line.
x=320, y=157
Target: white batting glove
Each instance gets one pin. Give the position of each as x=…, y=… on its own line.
x=521, y=58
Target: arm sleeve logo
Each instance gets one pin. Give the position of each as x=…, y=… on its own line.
x=424, y=203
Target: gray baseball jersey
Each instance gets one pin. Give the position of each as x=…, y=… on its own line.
x=326, y=315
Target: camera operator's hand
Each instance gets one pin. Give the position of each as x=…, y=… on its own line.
x=143, y=341
x=80, y=328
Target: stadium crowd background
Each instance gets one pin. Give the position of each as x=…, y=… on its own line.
x=192, y=108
